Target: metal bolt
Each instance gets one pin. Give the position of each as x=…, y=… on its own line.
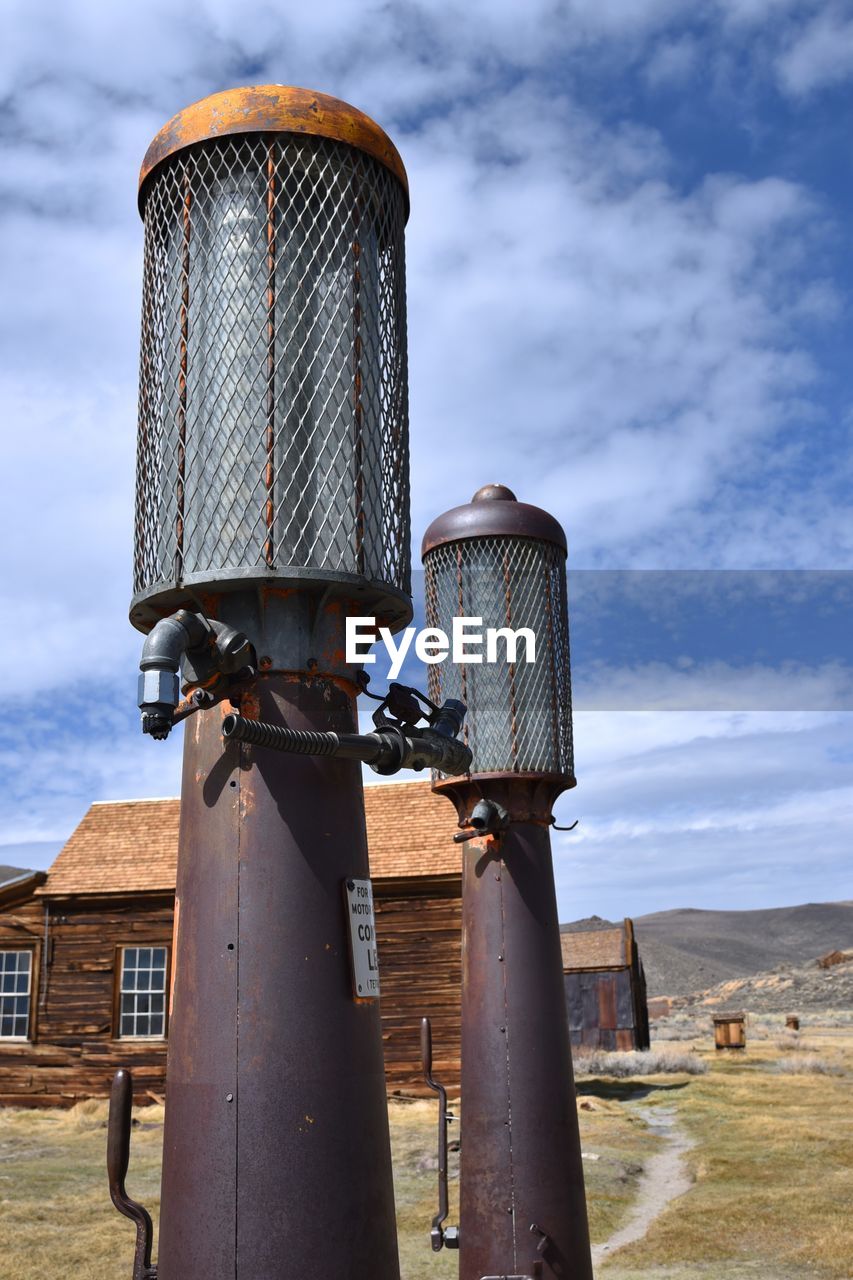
x=229, y=1097
x=350, y=884
x=500, y=957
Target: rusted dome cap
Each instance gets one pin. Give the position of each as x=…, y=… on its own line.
x=272, y=108
x=493, y=512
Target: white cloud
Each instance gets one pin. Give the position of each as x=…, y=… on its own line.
x=819, y=54
x=672, y=62
x=718, y=686
x=621, y=344
x=717, y=810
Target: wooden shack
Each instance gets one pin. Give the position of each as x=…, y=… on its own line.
x=730, y=1030
x=605, y=989
x=85, y=950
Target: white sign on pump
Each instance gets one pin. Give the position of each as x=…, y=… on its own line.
x=362, y=934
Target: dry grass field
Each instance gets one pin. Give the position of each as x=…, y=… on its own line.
x=772, y=1134
x=772, y=1164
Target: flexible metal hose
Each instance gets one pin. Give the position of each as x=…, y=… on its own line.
x=304, y=742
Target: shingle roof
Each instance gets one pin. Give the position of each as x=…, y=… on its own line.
x=597, y=948
x=21, y=885
x=121, y=846
x=131, y=846
x=410, y=831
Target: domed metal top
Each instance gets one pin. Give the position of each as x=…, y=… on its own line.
x=272, y=108
x=493, y=512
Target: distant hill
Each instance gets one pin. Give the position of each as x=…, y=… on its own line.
x=687, y=951
x=801, y=989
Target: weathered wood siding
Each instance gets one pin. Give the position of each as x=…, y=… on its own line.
x=602, y=1010
x=74, y=1051
x=420, y=971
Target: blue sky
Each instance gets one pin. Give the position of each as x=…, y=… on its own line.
x=630, y=281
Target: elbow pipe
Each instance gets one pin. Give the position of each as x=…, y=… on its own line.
x=169, y=639
x=488, y=816
x=159, y=685
x=487, y=819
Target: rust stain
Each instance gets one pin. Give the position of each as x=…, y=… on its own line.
x=250, y=705
x=315, y=677
x=173, y=967
x=272, y=108
x=277, y=593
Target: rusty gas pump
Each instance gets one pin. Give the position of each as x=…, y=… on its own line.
x=501, y=563
x=272, y=503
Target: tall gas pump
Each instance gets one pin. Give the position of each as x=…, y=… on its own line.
x=501, y=563
x=272, y=503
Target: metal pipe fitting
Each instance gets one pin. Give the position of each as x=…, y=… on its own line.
x=488, y=818
x=204, y=651
x=159, y=685
x=386, y=750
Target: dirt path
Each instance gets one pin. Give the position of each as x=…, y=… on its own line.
x=664, y=1178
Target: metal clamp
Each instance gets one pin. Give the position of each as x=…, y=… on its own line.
x=440, y=1236
x=118, y=1156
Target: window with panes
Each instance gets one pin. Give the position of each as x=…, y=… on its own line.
x=142, y=1001
x=16, y=977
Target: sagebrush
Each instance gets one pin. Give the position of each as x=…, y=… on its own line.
x=639, y=1062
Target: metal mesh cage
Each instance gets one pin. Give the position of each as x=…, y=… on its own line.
x=519, y=714
x=273, y=415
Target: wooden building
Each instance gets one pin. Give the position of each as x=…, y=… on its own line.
x=605, y=989
x=729, y=1030
x=85, y=950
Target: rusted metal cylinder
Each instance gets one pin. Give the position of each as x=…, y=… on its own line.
x=276, y=1154
x=272, y=496
x=522, y=1202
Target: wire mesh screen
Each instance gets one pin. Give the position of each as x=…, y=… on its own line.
x=519, y=713
x=273, y=414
